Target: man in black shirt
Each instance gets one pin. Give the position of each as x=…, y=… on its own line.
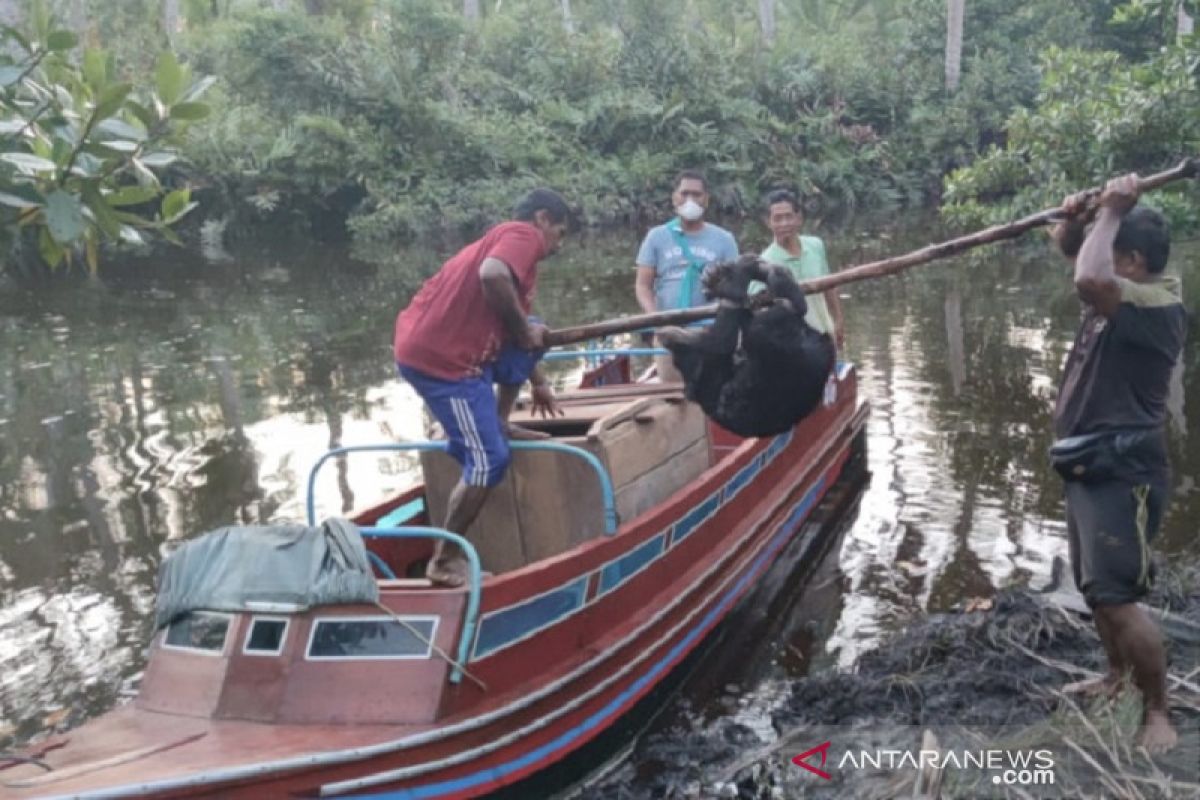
x=1110, y=423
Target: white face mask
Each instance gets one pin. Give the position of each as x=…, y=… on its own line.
x=690, y=210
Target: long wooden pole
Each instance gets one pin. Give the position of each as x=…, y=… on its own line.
x=1189, y=168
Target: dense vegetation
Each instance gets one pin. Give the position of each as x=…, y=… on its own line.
x=387, y=119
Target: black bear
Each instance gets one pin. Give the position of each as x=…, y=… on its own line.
x=760, y=368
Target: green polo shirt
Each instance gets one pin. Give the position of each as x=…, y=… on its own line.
x=810, y=263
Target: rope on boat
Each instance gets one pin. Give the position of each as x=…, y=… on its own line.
x=442, y=654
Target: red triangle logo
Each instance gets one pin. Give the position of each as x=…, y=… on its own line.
x=800, y=760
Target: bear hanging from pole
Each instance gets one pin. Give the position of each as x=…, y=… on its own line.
x=759, y=368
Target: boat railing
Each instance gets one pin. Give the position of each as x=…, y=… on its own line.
x=566, y=355
x=426, y=532
x=606, y=487
x=474, y=587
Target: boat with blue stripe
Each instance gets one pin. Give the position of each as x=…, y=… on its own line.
x=600, y=569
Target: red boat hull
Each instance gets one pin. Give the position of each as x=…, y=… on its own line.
x=621, y=614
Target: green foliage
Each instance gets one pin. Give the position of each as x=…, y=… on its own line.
x=1096, y=115
x=402, y=118
x=79, y=146
x=441, y=125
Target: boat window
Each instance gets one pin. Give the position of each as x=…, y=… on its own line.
x=198, y=630
x=371, y=637
x=266, y=636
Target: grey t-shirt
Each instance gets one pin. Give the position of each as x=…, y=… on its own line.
x=660, y=250
x=1119, y=368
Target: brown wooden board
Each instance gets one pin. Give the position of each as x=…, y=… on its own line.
x=496, y=532
x=550, y=502
x=559, y=500
x=652, y=487
x=645, y=435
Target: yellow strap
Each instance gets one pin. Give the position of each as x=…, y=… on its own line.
x=1142, y=517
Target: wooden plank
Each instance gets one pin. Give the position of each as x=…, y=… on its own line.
x=619, y=391
x=559, y=501
x=496, y=532
x=645, y=436
x=656, y=485
x=550, y=502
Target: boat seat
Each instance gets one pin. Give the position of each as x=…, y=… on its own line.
x=550, y=502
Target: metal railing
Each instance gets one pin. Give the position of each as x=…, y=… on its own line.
x=606, y=488
x=564, y=355
x=471, y=618
x=425, y=532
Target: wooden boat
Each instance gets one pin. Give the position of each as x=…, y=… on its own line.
x=617, y=548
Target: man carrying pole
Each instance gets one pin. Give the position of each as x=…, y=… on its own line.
x=1110, y=422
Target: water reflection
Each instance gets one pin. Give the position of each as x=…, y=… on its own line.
x=134, y=417
x=960, y=364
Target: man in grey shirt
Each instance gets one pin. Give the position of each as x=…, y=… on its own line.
x=673, y=256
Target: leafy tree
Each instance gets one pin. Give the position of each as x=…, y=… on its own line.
x=404, y=117
x=1096, y=115
x=81, y=151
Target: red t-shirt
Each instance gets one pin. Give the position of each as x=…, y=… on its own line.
x=448, y=330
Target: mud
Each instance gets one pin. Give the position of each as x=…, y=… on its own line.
x=996, y=668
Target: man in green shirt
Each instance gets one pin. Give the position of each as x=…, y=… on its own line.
x=805, y=257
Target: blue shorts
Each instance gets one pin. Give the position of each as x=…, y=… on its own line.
x=466, y=409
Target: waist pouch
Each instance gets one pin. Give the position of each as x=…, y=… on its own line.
x=1096, y=457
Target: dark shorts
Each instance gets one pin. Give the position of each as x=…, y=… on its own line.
x=1109, y=529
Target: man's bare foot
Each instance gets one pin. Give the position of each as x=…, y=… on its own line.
x=1108, y=686
x=520, y=433
x=1157, y=735
x=449, y=572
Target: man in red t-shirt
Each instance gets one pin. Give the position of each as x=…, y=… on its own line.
x=467, y=328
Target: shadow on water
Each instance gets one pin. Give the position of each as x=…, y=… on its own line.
x=174, y=398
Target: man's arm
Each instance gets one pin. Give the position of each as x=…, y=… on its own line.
x=500, y=293
x=1095, y=276
x=644, y=288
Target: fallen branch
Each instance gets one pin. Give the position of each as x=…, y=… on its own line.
x=1189, y=168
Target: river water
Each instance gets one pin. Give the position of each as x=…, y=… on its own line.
x=175, y=397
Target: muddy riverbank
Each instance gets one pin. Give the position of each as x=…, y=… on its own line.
x=988, y=673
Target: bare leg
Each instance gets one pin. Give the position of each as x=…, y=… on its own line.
x=506, y=398
x=1140, y=645
x=1109, y=685
x=448, y=566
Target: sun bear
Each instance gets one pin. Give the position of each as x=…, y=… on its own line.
x=759, y=368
